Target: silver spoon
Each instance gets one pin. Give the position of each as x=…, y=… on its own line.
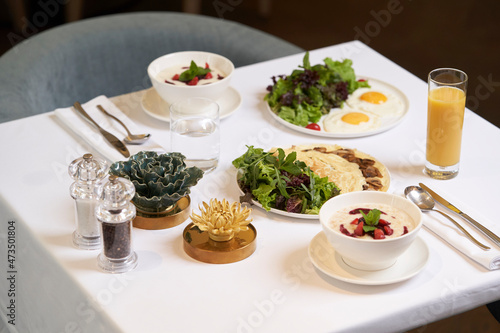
x=426, y=203
x=134, y=139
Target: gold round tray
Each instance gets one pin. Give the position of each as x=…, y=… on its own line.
x=166, y=219
x=199, y=246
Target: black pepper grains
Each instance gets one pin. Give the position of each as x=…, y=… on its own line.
x=115, y=213
x=116, y=239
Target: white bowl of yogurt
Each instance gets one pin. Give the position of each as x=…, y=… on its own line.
x=162, y=71
x=341, y=215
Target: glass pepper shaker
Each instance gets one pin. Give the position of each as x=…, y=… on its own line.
x=115, y=213
x=86, y=171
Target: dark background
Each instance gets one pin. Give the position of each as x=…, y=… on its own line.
x=419, y=35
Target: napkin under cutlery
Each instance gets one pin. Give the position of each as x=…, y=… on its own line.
x=87, y=132
x=444, y=229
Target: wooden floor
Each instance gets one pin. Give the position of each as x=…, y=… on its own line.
x=478, y=320
x=418, y=35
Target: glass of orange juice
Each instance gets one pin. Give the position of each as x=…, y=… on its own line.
x=445, y=119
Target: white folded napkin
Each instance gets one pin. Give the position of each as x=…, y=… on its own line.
x=446, y=230
x=91, y=135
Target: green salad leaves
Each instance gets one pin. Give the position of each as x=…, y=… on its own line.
x=282, y=182
x=311, y=92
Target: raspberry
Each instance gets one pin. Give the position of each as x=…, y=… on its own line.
x=378, y=234
x=388, y=231
x=359, y=229
x=193, y=82
x=175, y=77
x=383, y=222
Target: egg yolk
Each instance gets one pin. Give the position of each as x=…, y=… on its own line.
x=354, y=118
x=374, y=97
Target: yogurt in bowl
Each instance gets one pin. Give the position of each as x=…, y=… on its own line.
x=172, y=75
x=168, y=65
x=366, y=252
x=359, y=221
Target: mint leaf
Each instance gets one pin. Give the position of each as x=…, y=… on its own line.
x=194, y=70
x=368, y=228
x=372, y=218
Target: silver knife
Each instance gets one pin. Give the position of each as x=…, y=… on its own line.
x=115, y=142
x=466, y=217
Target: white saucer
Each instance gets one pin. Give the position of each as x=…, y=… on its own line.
x=324, y=257
x=157, y=108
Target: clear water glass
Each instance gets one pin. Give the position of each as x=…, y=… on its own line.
x=195, y=132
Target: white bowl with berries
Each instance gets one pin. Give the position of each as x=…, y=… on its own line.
x=180, y=75
x=369, y=229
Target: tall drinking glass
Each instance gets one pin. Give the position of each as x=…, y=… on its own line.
x=445, y=119
x=195, y=132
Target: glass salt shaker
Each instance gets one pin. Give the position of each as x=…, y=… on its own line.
x=86, y=171
x=115, y=213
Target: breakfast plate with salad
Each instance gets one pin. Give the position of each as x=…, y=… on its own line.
x=329, y=100
x=296, y=181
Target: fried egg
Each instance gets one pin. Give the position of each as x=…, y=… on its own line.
x=349, y=120
x=380, y=103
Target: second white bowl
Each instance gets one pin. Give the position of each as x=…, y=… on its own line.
x=369, y=254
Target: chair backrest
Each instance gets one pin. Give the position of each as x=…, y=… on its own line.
x=109, y=55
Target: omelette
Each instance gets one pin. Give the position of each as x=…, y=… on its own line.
x=350, y=169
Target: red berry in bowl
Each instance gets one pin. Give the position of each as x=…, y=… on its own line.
x=193, y=82
x=359, y=229
x=378, y=234
x=388, y=230
x=383, y=222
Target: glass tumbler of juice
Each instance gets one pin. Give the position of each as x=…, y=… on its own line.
x=445, y=119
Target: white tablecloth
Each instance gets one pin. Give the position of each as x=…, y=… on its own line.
x=60, y=289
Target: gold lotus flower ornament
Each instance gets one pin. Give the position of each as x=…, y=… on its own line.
x=221, y=220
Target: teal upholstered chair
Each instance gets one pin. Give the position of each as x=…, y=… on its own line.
x=109, y=55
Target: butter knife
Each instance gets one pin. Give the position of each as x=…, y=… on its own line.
x=115, y=142
x=466, y=217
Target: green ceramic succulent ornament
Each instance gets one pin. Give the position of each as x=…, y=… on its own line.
x=160, y=180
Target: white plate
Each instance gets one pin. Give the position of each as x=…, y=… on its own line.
x=287, y=214
x=157, y=108
x=411, y=262
x=386, y=123
x=297, y=215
